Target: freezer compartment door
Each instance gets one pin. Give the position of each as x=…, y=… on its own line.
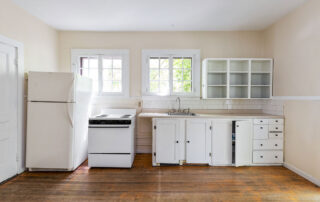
x=50, y=135
x=51, y=87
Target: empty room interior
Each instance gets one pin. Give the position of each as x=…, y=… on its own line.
x=149, y=100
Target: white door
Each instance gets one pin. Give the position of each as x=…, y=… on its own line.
x=198, y=141
x=243, y=143
x=8, y=112
x=50, y=135
x=167, y=141
x=222, y=142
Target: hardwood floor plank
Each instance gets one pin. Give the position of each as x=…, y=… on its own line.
x=167, y=183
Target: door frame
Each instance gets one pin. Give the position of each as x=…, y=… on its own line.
x=20, y=100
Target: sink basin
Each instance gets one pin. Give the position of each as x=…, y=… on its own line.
x=181, y=114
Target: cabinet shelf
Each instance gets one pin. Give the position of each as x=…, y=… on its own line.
x=237, y=78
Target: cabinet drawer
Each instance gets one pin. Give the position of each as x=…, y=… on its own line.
x=260, y=132
x=260, y=121
x=276, y=121
x=268, y=157
x=275, y=128
x=276, y=135
x=268, y=144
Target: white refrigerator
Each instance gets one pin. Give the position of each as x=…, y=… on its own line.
x=57, y=121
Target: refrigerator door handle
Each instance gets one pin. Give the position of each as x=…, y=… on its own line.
x=71, y=90
x=69, y=115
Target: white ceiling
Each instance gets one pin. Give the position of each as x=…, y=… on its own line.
x=159, y=15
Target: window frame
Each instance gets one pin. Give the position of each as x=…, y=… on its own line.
x=123, y=53
x=184, y=53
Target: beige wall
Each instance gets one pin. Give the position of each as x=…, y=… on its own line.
x=294, y=43
x=211, y=44
x=40, y=41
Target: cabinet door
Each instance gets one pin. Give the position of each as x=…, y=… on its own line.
x=198, y=141
x=167, y=141
x=243, y=143
x=222, y=142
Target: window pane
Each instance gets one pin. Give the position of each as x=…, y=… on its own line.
x=84, y=62
x=187, y=74
x=154, y=86
x=154, y=63
x=107, y=74
x=154, y=74
x=84, y=72
x=187, y=86
x=177, y=86
x=164, y=87
x=177, y=74
x=93, y=63
x=117, y=63
x=164, y=74
x=164, y=63
x=186, y=63
x=116, y=86
x=94, y=74
x=95, y=86
x=177, y=62
x=117, y=74
x=107, y=86
x=107, y=62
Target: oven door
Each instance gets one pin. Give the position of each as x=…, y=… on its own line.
x=111, y=139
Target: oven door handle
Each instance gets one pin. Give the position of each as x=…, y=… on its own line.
x=97, y=126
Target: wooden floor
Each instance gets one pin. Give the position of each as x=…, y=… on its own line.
x=169, y=183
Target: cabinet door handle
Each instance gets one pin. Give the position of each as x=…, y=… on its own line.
x=261, y=121
x=177, y=141
x=261, y=157
x=276, y=135
x=188, y=141
x=276, y=128
x=276, y=145
x=261, y=127
x=276, y=157
x=276, y=121
x=261, y=145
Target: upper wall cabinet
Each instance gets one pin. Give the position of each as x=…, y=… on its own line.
x=237, y=78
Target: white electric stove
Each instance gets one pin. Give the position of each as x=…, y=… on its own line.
x=111, y=138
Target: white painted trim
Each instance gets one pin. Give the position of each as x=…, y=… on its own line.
x=21, y=100
x=302, y=174
x=124, y=53
x=196, y=65
x=296, y=97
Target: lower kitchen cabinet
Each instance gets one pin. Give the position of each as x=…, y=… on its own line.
x=221, y=143
x=166, y=137
x=217, y=142
x=198, y=141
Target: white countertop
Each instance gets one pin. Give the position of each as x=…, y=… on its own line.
x=218, y=115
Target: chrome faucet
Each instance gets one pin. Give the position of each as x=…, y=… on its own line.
x=179, y=100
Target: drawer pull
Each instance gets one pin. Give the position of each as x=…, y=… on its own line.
x=277, y=121
x=276, y=157
x=276, y=128
x=261, y=145
x=276, y=135
x=261, y=157
x=177, y=141
x=261, y=127
x=188, y=141
x=261, y=121
x=276, y=145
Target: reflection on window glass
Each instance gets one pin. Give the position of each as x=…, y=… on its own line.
x=159, y=75
x=182, y=75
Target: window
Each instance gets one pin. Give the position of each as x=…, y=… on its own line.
x=108, y=69
x=171, y=72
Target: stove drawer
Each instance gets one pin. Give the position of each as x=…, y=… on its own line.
x=110, y=140
x=110, y=160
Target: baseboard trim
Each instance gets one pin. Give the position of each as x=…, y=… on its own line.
x=296, y=97
x=302, y=174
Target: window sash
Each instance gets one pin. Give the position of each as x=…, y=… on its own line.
x=171, y=81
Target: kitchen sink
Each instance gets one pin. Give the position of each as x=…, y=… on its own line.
x=181, y=114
